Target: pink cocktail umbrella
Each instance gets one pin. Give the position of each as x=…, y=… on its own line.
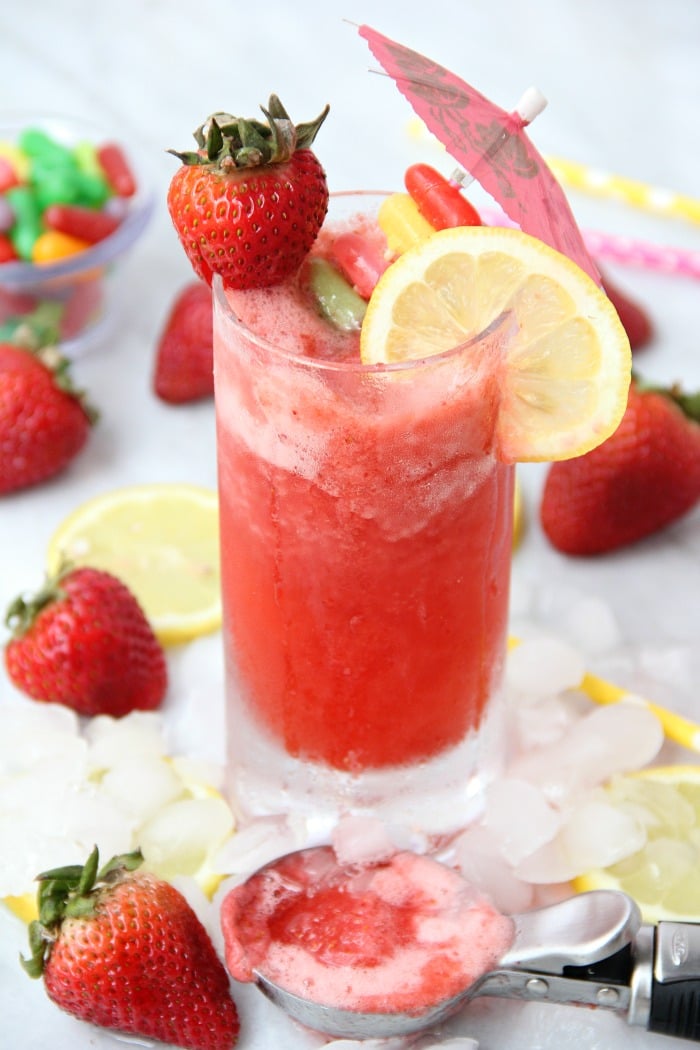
x=490, y=143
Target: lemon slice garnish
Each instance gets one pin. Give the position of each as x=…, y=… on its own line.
x=567, y=362
x=162, y=541
x=662, y=876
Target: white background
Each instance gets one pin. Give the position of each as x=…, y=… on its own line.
x=623, y=82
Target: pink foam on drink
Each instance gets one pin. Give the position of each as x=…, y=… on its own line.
x=397, y=936
x=287, y=314
x=282, y=316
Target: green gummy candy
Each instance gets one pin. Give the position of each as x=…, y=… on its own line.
x=55, y=185
x=91, y=190
x=27, y=223
x=336, y=299
x=39, y=145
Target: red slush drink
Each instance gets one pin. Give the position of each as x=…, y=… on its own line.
x=366, y=528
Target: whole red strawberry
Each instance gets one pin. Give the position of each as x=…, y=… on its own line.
x=125, y=951
x=646, y=475
x=184, y=368
x=44, y=421
x=634, y=318
x=84, y=641
x=249, y=202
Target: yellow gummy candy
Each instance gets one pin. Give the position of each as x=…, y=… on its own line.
x=53, y=245
x=18, y=160
x=402, y=223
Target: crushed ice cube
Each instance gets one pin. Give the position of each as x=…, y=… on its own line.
x=137, y=735
x=27, y=851
x=590, y=624
x=197, y=771
x=595, y=835
x=182, y=836
x=542, y=720
x=93, y=818
x=612, y=739
x=258, y=844
x=32, y=733
x=481, y=863
x=362, y=840
x=519, y=816
x=543, y=666
x=142, y=785
x=196, y=714
x=672, y=664
x=598, y=834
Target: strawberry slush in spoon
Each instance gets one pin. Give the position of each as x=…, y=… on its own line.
x=392, y=947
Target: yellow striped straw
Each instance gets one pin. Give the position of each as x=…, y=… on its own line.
x=676, y=728
x=637, y=194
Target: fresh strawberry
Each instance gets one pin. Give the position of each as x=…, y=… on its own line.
x=635, y=320
x=646, y=475
x=184, y=369
x=84, y=641
x=124, y=950
x=249, y=202
x=44, y=421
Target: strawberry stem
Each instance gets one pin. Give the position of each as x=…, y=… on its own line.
x=24, y=609
x=229, y=142
x=70, y=891
x=688, y=403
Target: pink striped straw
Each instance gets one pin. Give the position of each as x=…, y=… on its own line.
x=625, y=250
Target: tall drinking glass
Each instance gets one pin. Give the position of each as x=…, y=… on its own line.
x=366, y=529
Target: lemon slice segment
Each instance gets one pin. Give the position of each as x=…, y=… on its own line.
x=567, y=361
x=162, y=541
x=662, y=876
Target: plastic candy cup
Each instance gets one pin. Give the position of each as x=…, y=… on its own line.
x=74, y=288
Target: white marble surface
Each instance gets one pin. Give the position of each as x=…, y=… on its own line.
x=622, y=81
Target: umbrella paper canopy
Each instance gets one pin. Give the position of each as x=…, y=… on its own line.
x=489, y=142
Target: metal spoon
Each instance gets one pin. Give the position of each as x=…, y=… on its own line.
x=577, y=951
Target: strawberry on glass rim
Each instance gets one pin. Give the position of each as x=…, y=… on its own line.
x=249, y=202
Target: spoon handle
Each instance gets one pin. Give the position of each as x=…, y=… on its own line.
x=675, y=980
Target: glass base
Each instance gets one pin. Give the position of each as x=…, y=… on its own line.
x=433, y=798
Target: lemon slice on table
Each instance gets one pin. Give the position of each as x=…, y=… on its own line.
x=162, y=541
x=518, y=513
x=567, y=363
x=663, y=876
